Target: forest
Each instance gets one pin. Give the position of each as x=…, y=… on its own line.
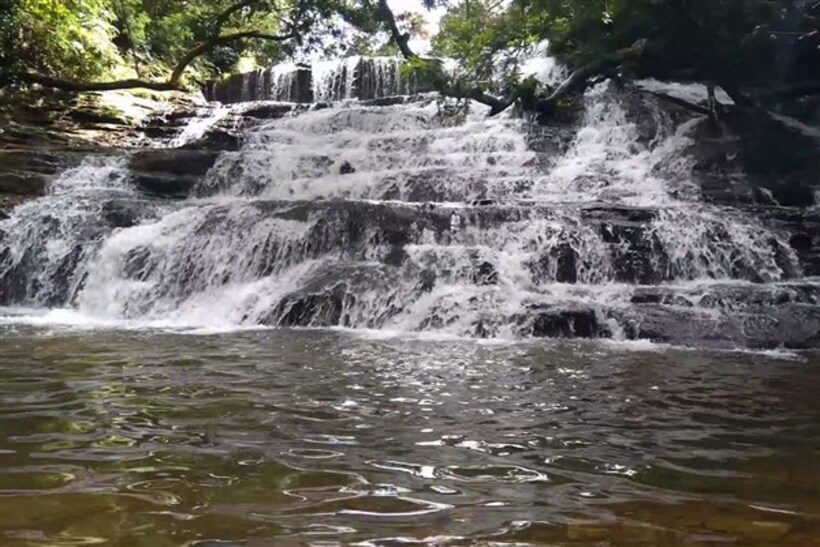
x=764, y=53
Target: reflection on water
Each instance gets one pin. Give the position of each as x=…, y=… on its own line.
x=305, y=437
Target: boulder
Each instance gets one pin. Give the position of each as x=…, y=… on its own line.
x=566, y=323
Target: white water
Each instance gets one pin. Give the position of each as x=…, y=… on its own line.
x=205, y=120
x=331, y=80
x=490, y=220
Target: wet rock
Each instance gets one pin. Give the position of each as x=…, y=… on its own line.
x=170, y=173
x=120, y=213
x=566, y=323
x=215, y=139
x=346, y=169
x=329, y=296
x=481, y=202
x=385, y=101
x=485, y=274
x=25, y=173
x=753, y=158
x=427, y=280
x=23, y=183
x=317, y=310
x=269, y=111
x=790, y=325
x=179, y=113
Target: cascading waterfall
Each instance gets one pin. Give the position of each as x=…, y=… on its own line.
x=349, y=78
x=398, y=218
x=46, y=244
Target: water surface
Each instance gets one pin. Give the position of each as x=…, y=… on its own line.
x=282, y=437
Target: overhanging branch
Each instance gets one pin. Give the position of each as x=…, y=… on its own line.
x=70, y=85
x=173, y=83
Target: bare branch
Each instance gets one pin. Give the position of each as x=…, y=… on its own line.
x=223, y=17
x=201, y=49
x=69, y=85
x=400, y=38
x=579, y=77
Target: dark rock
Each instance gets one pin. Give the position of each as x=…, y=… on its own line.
x=23, y=183
x=31, y=160
x=323, y=309
x=170, y=173
x=485, y=274
x=269, y=111
x=427, y=280
x=346, y=169
x=481, y=202
x=566, y=323
x=174, y=162
x=753, y=158
x=165, y=185
x=385, y=101
x=120, y=213
x=786, y=325
x=180, y=113
x=763, y=196
x=216, y=140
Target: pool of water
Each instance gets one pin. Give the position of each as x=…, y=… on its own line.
x=321, y=437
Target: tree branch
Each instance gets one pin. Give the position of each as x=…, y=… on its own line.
x=440, y=83
x=580, y=76
x=223, y=17
x=497, y=105
x=69, y=85
x=400, y=38
x=173, y=82
x=204, y=47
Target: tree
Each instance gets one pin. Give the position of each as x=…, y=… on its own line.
x=72, y=57
x=8, y=41
x=764, y=53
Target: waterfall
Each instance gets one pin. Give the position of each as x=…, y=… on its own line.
x=46, y=244
x=321, y=81
x=398, y=218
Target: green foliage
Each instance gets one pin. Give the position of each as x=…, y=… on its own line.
x=472, y=32
x=749, y=42
x=68, y=37
x=739, y=40
x=739, y=43
x=8, y=41
x=99, y=39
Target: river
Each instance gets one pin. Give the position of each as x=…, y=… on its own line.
x=279, y=437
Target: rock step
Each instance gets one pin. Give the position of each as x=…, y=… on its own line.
x=702, y=315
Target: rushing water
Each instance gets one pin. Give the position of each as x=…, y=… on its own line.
x=397, y=218
x=301, y=437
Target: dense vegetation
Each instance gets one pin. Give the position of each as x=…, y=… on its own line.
x=760, y=51
x=57, y=42
x=764, y=53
